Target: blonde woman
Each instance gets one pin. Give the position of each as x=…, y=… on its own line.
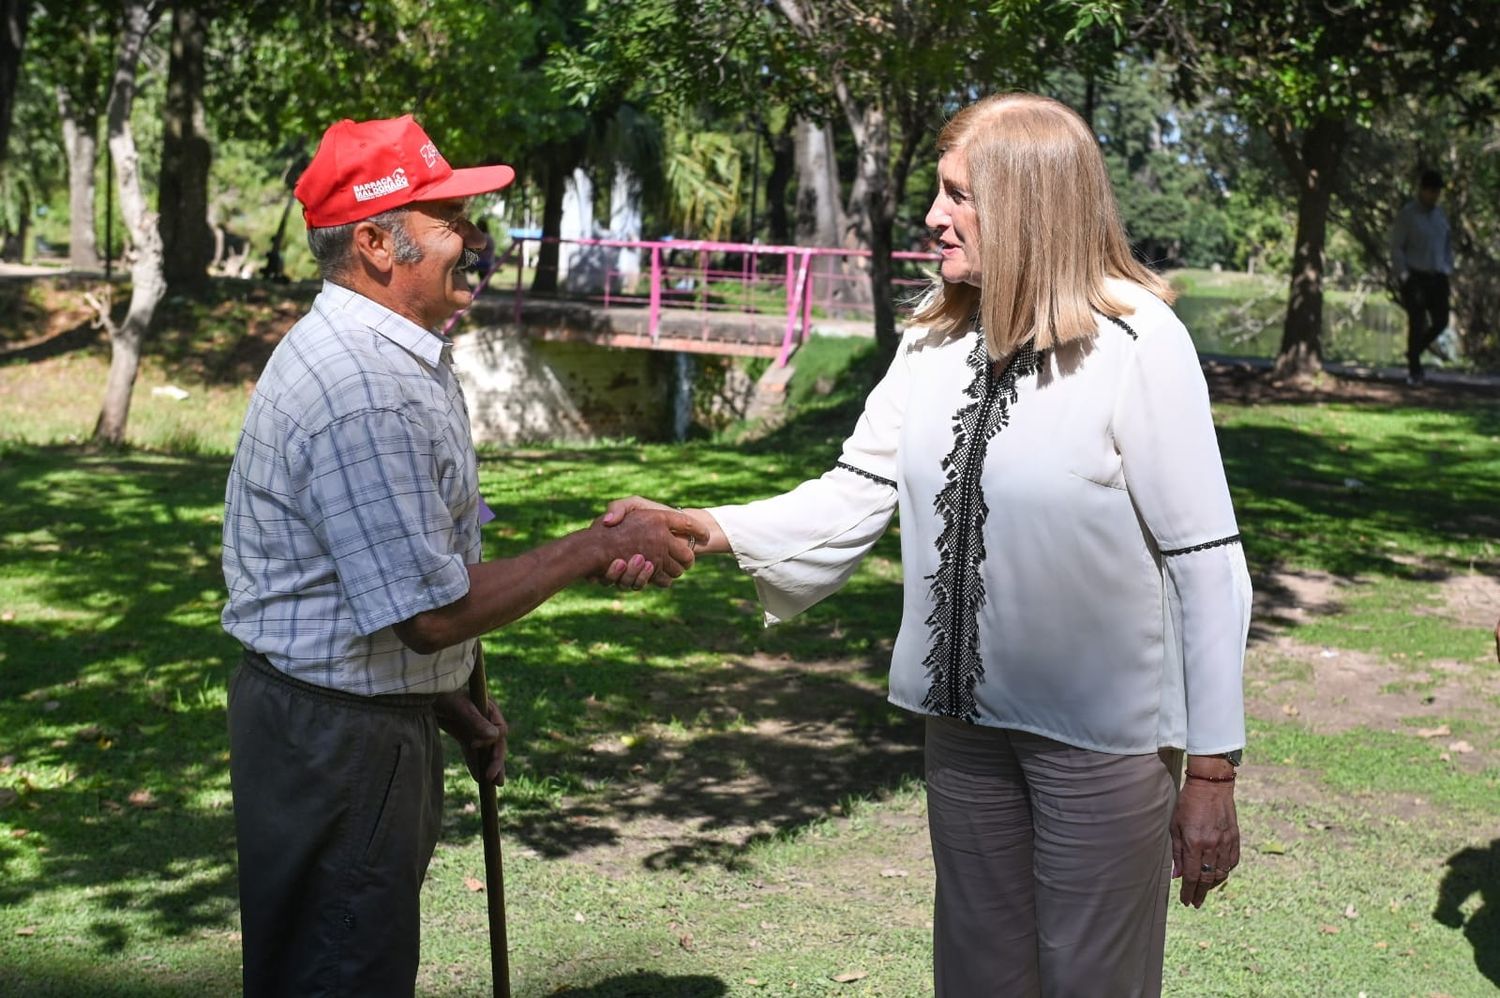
x=1076, y=598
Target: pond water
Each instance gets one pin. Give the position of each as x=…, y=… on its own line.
x=1354, y=331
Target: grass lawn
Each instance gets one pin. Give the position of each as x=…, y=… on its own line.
x=698, y=806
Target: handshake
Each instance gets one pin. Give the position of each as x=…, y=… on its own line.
x=647, y=542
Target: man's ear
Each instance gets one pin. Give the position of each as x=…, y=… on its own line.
x=374, y=247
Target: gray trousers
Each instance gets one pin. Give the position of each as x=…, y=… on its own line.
x=1053, y=865
x=337, y=807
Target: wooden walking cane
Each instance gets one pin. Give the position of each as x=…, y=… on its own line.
x=494, y=875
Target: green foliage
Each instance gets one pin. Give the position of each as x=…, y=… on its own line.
x=1287, y=66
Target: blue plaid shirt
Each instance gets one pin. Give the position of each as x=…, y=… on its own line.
x=353, y=501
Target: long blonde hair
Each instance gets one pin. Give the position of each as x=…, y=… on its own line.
x=1049, y=228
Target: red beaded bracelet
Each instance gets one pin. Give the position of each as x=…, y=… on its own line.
x=1212, y=779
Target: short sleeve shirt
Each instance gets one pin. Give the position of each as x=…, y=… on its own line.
x=353, y=501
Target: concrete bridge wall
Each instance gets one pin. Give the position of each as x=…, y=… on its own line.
x=523, y=389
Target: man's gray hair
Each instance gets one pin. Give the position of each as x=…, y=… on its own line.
x=333, y=245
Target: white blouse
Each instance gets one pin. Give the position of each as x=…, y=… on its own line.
x=1072, y=563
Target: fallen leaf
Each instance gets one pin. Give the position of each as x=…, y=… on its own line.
x=849, y=976
x=1329, y=930
x=579, y=917
x=1271, y=847
x=143, y=799
x=754, y=982
x=26, y=930
x=1350, y=911
x=1289, y=710
x=1444, y=757
x=891, y=871
x=1440, y=730
x=686, y=941
x=1321, y=826
x=1461, y=747
x=1382, y=944
x=474, y=884
x=1204, y=944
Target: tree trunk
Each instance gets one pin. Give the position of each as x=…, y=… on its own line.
x=13, y=244
x=81, y=143
x=13, y=17
x=819, y=212
x=554, y=189
x=187, y=240
x=783, y=161
x=821, y=219
x=872, y=135
x=1316, y=165
x=147, y=283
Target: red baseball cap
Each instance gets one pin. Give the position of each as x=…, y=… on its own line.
x=363, y=168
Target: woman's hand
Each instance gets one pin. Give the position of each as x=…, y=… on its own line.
x=1205, y=837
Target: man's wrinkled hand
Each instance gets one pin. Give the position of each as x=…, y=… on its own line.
x=649, y=542
x=480, y=736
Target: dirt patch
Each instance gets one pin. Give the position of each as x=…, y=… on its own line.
x=1472, y=598
x=1332, y=690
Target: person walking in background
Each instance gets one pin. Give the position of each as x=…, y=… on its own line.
x=351, y=554
x=1076, y=600
x=1422, y=260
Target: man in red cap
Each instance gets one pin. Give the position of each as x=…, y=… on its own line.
x=356, y=586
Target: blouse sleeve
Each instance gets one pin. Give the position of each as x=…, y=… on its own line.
x=1164, y=431
x=803, y=545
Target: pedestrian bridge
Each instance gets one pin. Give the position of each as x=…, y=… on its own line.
x=732, y=299
x=671, y=317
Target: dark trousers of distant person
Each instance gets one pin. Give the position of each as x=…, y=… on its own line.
x=1424, y=295
x=337, y=808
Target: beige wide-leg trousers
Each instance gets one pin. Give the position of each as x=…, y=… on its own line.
x=1053, y=865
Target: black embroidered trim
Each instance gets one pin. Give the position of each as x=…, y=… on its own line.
x=865, y=474
x=1122, y=324
x=953, y=661
x=1221, y=542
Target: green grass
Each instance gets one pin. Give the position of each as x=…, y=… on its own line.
x=783, y=793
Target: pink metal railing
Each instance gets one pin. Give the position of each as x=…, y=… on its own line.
x=702, y=287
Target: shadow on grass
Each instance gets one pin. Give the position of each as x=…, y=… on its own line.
x=644, y=984
x=1474, y=871
x=111, y=696
x=1415, y=505
x=109, y=693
